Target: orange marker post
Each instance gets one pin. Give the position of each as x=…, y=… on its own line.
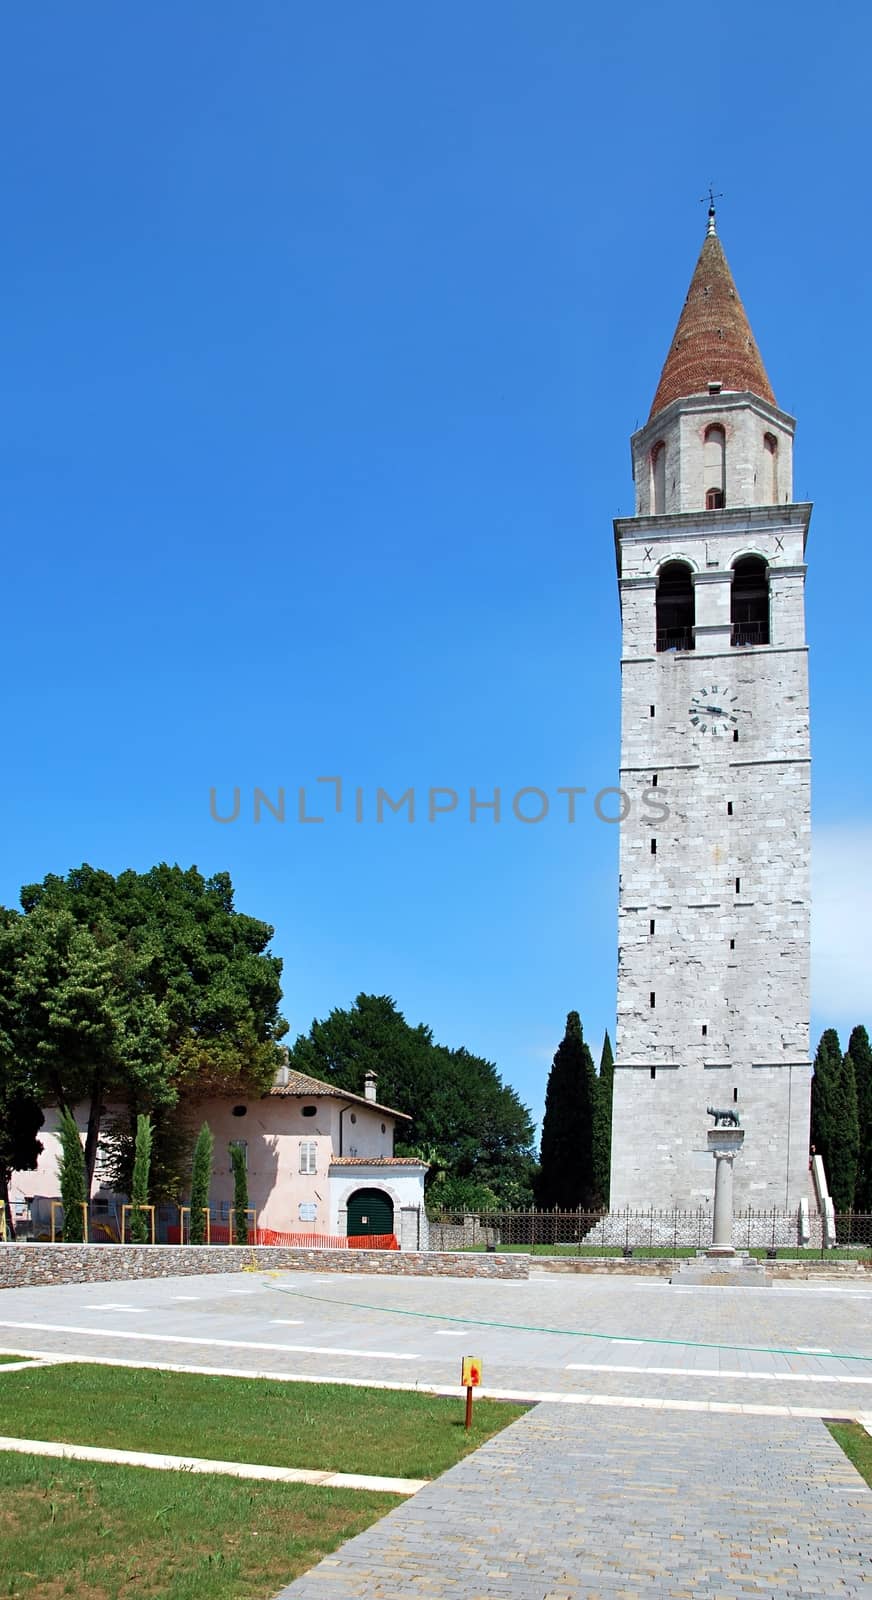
x=470, y=1378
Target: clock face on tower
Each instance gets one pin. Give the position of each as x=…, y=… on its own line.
x=714, y=710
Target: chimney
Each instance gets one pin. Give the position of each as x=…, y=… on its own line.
x=370, y=1085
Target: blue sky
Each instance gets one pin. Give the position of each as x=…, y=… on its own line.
x=324, y=331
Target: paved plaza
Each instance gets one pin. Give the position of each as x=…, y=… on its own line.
x=678, y=1449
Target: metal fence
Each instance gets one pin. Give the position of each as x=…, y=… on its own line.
x=664, y=1233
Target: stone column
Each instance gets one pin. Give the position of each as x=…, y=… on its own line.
x=722, y=1230
x=724, y=1144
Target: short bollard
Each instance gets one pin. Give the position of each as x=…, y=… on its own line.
x=470, y=1378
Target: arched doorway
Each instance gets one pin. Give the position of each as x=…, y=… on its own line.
x=370, y=1211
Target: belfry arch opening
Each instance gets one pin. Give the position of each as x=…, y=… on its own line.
x=675, y=607
x=749, y=601
x=715, y=467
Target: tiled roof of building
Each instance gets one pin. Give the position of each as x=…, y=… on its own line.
x=300, y=1084
x=377, y=1161
x=713, y=342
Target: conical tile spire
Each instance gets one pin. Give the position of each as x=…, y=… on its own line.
x=713, y=342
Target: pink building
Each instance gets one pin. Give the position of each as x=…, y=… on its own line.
x=319, y=1160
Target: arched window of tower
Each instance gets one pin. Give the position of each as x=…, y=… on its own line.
x=770, y=460
x=658, y=479
x=675, y=607
x=715, y=467
x=749, y=601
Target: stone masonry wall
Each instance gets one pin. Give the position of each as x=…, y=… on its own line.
x=29, y=1265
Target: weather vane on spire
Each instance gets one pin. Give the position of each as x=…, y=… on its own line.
x=711, y=197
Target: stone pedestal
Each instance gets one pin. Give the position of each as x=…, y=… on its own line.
x=721, y=1265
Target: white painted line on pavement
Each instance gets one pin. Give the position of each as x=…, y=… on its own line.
x=287, y=1322
x=109, y=1306
x=719, y=1372
x=230, y=1469
x=223, y=1344
x=814, y=1349
x=188, y=1297
x=449, y=1333
x=522, y=1396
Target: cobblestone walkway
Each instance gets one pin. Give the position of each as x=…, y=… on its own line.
x=616, y=1504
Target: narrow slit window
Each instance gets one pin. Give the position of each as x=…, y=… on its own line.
x=653, y=1072
x=652, y=998
x=705, y=1030
x=729, y=808
x=732, y=944
x=652, y=711
x=735, y=1096
x=738, y=886
x=735, y=736
x=653, y=847
x=653, y=780
x=651, y=926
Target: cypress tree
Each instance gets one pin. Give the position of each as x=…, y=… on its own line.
x=240, y=1195
x=603, y=1124
x=72, y=1178
x=827, y=1067
x=140, y=1228
x=566, y=1177
x=201, y=1178
x=860, y=1052
x=845, y=1138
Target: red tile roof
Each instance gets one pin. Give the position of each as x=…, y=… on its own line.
x=377, y=1161
x=713, y=342
x=299, y=1085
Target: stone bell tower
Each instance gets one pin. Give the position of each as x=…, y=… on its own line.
x=713, y=960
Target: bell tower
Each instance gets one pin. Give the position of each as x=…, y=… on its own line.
x=713, y=958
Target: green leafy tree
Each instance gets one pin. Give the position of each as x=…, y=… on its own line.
x=827, y=1067
x=140, y=1230
x=201, y=1180
x=188, y=991
x=21, y=1115
x=566, y=1159
x=240, y=1194
x=844, y=1138
x=603, y=1124
x=474, y=1124
x=72, y=1178
x=861, y=1054
x=68, y=1020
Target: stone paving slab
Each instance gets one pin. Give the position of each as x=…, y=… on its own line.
x=618, y=1505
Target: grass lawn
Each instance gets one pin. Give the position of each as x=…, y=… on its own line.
x=857, y=1445
x=324, y=1426
x=125, y=1533
x=4, y=1359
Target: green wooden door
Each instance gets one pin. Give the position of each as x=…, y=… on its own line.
x=370, y=1211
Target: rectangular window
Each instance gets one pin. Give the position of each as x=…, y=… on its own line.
x=240, y=1144
x=307, y=1211
x=735, y=1097
x=652, y=999
x=732, y=944
x=738, y=886
x=651, y=926
x=653, y=1072
x=729, y=808
x=652, y=711
x=653, y=847
x=308, y=1155
x=653, y=780
x=735, y=736
x=705, y=1030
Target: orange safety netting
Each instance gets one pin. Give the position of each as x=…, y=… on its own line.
x=219, y=1233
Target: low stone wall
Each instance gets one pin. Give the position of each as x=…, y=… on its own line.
x=27, y=1265
x=664, y=1267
